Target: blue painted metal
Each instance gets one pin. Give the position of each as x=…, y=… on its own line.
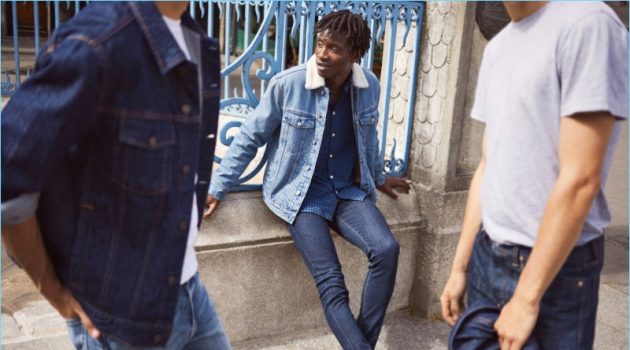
x=16, y=43
x=291, y=20
x=57, y=16
x=36, y=24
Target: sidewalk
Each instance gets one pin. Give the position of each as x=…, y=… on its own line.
x=28, y=322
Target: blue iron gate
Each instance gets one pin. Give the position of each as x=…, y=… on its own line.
x=261, y=38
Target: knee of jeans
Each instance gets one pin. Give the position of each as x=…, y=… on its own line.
x=386, y=252
x=334, y=295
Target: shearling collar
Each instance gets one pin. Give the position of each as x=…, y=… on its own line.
x=315, y=81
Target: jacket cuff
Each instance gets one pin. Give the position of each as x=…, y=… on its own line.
x=216, y=192
x=19, y=209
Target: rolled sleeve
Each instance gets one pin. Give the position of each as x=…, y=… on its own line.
x=19, y=209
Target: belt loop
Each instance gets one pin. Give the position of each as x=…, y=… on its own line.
x=515, y=254
x=592, y=249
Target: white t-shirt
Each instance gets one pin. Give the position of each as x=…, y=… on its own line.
x=563, y=59
x=190, y=259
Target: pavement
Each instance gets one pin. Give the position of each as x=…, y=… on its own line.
x=30, y=323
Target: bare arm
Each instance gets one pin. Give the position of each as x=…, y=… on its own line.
x=583, y=143
x=453, y=293
x=24, y=243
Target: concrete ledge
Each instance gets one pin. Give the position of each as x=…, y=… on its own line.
x=258, y=281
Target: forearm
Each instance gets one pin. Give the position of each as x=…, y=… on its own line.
x=472, y=221
x=560, y=228
x=24, y=243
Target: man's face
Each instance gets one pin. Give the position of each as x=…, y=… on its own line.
x=333, y=57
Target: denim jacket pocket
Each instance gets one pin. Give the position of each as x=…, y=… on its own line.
x=367, y=122
x=298, y=128
x=144, y=155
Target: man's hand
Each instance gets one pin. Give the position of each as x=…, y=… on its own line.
x=69, y=308
x=452, y=296
x=401, y=185
x=211, y=205
x=24, y=243
x=516, y=322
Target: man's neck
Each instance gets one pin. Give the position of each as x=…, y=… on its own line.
x=336, y=85
x=519, y=10
x=172, y=9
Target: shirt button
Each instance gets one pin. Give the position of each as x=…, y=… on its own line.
x=331, y=155
x=298, y=193
x=308, y=168
x=333, y=134
x=321, y=116
x=331, y=177
x=372, y=120
x=183, y=226
x=323, y=92
x=172, y=280
x=211, y=136
x=152, y=141
x=334, y=113
x=186, y=169
x=299, y=123
x=315, y=142
x=186, y=108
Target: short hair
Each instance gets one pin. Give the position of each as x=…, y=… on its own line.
x=350, y=26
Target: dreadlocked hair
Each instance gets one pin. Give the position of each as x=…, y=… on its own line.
x=347, y=25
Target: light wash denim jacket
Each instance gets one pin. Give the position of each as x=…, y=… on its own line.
x=290, y=119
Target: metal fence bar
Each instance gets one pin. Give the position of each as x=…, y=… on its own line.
x=228, y=47
x=16, y=44
x=36, y=24
x=415, y=68
x=57, y=17
x=388, y=80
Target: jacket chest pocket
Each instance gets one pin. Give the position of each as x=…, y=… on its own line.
x=145, y=151
x=298, y=129
x=367, y=124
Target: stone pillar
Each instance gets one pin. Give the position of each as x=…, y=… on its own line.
x=446, y=143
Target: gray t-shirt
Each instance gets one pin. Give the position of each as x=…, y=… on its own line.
x=564, y=59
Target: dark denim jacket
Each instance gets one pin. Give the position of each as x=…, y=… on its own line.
x=111, y=129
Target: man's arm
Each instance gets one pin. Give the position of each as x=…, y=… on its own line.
x=583, y=142
x=451, y=298
x=24, y=243
x=254, y=133
x=51, y=111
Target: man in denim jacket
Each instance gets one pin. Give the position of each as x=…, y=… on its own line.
x=104, y=150
x=319, y=123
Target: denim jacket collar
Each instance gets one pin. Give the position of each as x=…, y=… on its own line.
x=315, y=81
x=164, y=47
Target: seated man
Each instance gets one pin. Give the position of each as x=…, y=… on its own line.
x=319, y=123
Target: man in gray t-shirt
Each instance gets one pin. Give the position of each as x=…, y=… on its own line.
x=552, y=92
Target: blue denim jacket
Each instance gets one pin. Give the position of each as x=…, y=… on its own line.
x=111, y=129
x=290, y=119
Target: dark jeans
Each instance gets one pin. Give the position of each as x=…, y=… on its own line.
x=363, y=225
x=569, y=306
x=196, y=326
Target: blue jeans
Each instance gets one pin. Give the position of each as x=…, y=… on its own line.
x=196, y=326
x=363, y=225
x=568, y=307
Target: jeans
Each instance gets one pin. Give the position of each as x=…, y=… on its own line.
x=196, y=326
x=363, y=225
x=568, y=307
